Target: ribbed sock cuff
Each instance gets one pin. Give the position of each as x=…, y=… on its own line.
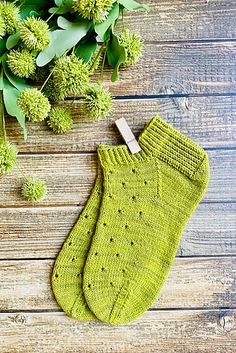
x=120, y=155
x=159, y=140
x=171, y=146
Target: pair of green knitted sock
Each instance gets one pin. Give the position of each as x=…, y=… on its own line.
x=119, y=252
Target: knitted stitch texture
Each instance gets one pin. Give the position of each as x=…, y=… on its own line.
x=67, y=276
x=67, y=273
x=147, y=200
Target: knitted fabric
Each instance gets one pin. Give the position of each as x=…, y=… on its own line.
x=147, y=200
x=67, y=273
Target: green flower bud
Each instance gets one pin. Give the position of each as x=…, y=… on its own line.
x=60, y=120
x=10, y=14
x=133, y=46
x=94, y=10
x=70, y=76
x=35, y=33
x=97, y=102
x=2, y=27
x=21, y=62
x=8, y=156
x=34, y=189
x=34, y=104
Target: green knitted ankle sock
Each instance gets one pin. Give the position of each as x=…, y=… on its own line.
x=67, y=273
x=147, y=200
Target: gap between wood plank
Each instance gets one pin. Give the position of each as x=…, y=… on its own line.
x=177, y=257
x=57, y=311
x=162, y=96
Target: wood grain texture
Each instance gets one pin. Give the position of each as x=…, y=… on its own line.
x=70, y=178
x=157, y=331
x=170, y=20
x=192, y=283
x=189, y=65
x=177, y=68
x=40, y=232
x=211, y=121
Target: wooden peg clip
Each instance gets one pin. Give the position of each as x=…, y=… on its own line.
x=127, y=135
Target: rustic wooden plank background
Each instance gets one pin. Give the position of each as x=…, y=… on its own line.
x=188, y=76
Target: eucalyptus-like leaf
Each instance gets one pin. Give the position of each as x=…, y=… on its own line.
x=65, y=24
x=63, y=6
x=1, y=80
x=86, y=50
x=62, y=40
x=10, y=96
x=116, y=56
x=12, y=40
x=101, y=28
x=58, y=10
x=132, y=5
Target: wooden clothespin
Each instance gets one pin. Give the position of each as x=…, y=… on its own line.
x=127, y=135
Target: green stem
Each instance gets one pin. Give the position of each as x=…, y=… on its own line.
x=103, y=64
x=46, y=81
x=2, y=118
x=51, y=16
x=97, y=56
x=21, y=171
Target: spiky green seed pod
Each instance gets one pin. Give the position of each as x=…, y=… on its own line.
x=60, y=120
x=21, y=62
x=34, y=189
x=133, y=46
x=94, y=10
x=51, y=92
x=70, y=76
x=97, y=102
x=35, y=33
x=2, y=27
x=10, y=14
x=40, y=74
x=34, y=104
x=8, y=154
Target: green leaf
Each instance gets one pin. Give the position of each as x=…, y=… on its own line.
x=63, y=7
x=64, y=23
x=2, y=46
x=10, y=96
x=59, y=10
x=62, y=40
x=58, y=2
x=132, y=5
x=116, y=56
x=17, y=82
x=86, y=50
x=101, y=28
x=1, y=81
x=12, y=40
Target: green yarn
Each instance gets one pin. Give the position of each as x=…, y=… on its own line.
x=69, y=265
x=146, y=202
